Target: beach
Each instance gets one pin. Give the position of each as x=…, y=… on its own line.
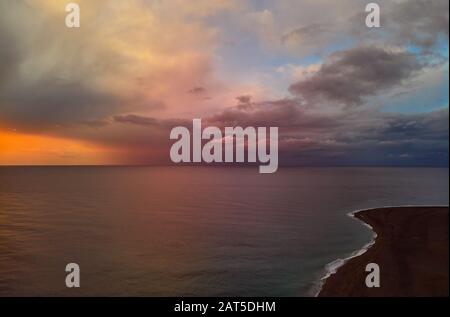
x=411, y=249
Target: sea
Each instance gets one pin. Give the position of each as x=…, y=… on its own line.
x=191, y=231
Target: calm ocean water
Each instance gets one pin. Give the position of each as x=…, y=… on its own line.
x=179, y=231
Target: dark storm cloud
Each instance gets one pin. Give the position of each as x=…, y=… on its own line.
x=347, y=137
x=53, y=101
x=349, y=76
x=350, y=136
x=44, y=95
x=8, y=55
x=430, y=126
x=279, y=113
x=289, y=115
x=418, y=22
x=51, y=76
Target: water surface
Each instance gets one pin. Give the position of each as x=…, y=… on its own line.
x=189, y=231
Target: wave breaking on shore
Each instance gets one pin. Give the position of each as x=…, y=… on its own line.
x=332, y=267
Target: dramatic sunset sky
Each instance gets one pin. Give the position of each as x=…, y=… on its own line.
x=110, y=91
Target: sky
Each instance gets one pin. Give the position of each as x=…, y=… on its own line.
x=110, y=91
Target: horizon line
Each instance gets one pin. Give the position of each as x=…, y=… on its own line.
x=217, y=165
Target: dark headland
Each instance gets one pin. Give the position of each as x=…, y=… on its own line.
x=411, y=249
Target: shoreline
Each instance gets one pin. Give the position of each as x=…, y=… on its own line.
x=346, y=277
x=332, y=267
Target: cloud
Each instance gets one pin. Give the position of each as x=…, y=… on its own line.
x=417, y=22
x=9, y=55
x=134, y=70
x=146, y=121
x=244, y=99
x=308, y=31
x=124, y=58
x=309, y=136
x=197, y=90
x=315, y=27
x=350, y=76
x=135, y=119
x=54, y=101
x=308, y=36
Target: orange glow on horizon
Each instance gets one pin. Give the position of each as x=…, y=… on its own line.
x=29, y=149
